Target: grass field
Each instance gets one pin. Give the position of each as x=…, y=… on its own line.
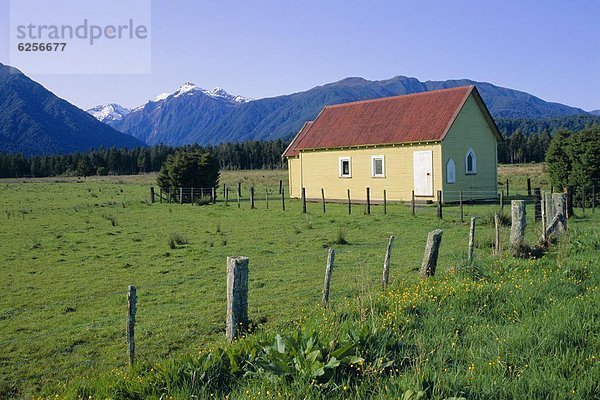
x=71, y=246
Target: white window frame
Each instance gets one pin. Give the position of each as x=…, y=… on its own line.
x=474, y=170
x=341, y=170
x=373, y=174
x=451, y=166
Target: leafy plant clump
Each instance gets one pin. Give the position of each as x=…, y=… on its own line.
x=176, y=239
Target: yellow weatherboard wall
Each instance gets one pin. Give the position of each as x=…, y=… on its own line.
x=470, y=130
x=320, y=169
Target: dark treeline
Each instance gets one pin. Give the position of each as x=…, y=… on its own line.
x=518, y=148
x=527, y=140
x=245, y=155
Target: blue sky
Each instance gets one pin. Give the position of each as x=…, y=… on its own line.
x=266, y=48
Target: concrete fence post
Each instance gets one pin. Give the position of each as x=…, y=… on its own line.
x=328, y=271
x=386, y=263
x=517, y=229
x=237, y=297
x=432, y=248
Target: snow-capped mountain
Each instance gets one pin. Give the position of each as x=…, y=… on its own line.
x=189, y=88
x=109, y=112
x=179, y=116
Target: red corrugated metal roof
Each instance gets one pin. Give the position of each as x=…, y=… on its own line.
x=419, y=117
x=291, y=150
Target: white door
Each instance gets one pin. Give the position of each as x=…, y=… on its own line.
x=423, y=172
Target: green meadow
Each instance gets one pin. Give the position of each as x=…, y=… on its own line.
x=500, y=328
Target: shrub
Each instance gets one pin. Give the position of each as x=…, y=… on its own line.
x=189, y=169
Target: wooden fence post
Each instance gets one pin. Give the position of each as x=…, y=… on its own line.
x=386, y=263
x=471, y=241
x=517, y=229
x=151, y=194
x=368, y=201
x=239, y=189
x=238, y=198
x=267, y=197
x=529, y=187
x=569, y=201
x=462, y=209
x=349, y=203
x=412, y=201
x=328, y=271
x=432, y=248
x=303, y=200
x=283, y=200
x=384, y=202
x=497, y=238
x=537, y=201
x=180, y=195
x=439, y=204
x=323, y=200
x=237, y=296
x=131, y=309
x=252, y=197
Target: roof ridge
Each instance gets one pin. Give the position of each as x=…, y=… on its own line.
x=381, y=99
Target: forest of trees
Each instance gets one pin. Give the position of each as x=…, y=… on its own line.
x=246, y=155
x=517, y=148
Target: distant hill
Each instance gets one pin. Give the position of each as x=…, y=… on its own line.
x=34, y=121
x=198, y=117
x=595, y=112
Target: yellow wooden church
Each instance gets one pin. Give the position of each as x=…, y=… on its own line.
x=438, y=140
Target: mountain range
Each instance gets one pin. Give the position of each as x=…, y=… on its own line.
x=34, y=121
x=194, y=115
